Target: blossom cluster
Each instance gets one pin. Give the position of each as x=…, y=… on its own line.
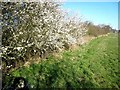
x=37, y=28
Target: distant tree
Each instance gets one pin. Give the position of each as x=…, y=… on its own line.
x=96, y=30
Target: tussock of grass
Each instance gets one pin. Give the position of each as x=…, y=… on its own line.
x=94, y=65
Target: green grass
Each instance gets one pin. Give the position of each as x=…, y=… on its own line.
x=94, y=65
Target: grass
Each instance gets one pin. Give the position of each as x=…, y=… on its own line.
x=94, y=65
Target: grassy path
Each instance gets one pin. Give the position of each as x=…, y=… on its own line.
x=100, y=57
x=94, y=65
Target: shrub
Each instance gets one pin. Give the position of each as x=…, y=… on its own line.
x=35, y=28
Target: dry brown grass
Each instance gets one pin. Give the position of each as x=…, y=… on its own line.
x=88, y=38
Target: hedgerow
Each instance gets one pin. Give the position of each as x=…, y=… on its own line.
x=34, y=29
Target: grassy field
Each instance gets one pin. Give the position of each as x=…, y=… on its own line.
x=94, y=65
